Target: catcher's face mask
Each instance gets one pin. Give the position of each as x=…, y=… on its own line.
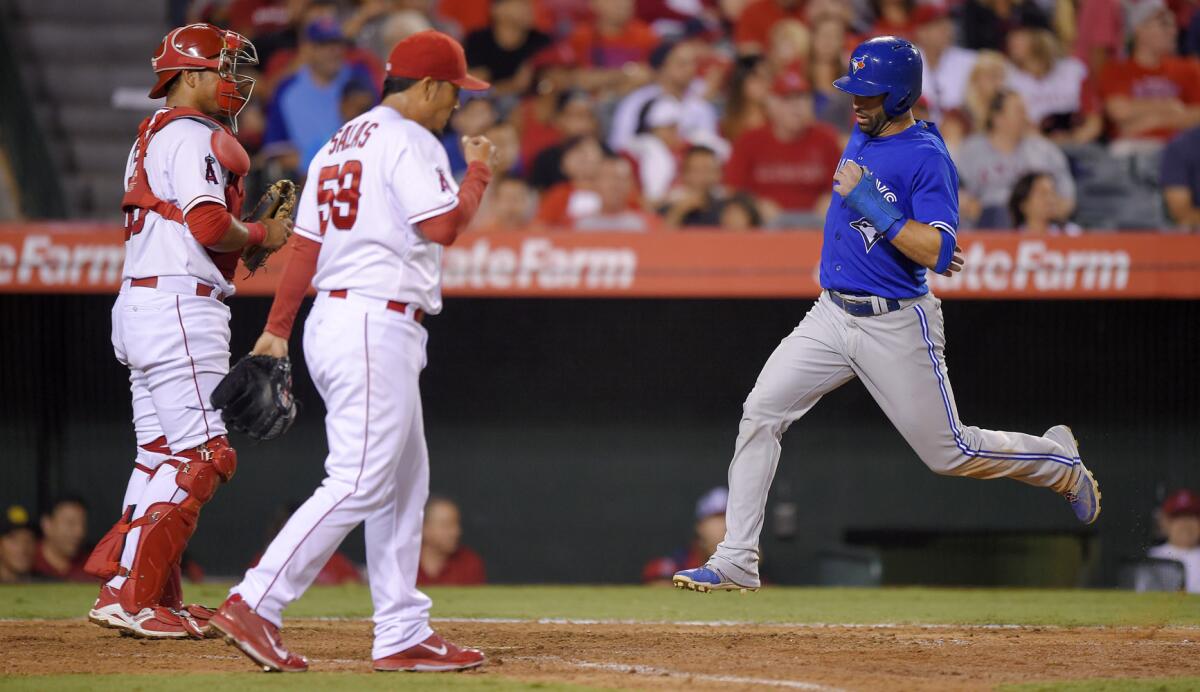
x=207, y=47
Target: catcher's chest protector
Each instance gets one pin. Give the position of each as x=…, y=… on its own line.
x=228, y=151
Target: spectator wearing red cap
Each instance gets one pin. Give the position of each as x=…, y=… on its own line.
x=945, y=66
x=1179, y=519
x=752, y=28
x=786, y=162
x=709, y=531
x=499, y=53
x=1155, y=93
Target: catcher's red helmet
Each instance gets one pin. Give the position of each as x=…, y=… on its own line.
x=207, y=47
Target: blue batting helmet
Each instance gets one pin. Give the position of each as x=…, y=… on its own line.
x=885, y=65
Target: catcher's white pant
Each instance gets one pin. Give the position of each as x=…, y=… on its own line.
x=176, y=346
x=366, y=361
x=899, y=356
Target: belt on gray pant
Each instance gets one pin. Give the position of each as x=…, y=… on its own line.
x=866, y=306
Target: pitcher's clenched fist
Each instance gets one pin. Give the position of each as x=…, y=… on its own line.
x=479, y=149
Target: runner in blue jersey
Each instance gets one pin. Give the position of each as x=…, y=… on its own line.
x=894, y=217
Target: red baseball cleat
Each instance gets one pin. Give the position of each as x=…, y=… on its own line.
x=200, y=615
x=255, y=636
x=149, y=623
x=431, y=656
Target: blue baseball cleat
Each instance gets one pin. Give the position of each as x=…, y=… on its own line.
x=1084, y=494
x=705, y=579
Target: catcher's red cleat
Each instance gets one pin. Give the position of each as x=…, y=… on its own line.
x=255, y=636
x=149, y=623
x=430, y=656
x=200, y=616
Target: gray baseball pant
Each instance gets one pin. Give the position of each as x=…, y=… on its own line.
x=899, y=357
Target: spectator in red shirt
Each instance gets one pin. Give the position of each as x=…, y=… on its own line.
x=1154, y=94
x=710, y=530
x=444, y=560
x=573, y=192
x=1099, y=33
x=752, y=30
x=619, y=209
x=17, y=546
x=615, y=38
x=507, y=206
x=787, y=162
x=60, y=555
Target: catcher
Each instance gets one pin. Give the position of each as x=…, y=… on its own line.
x=170, y=324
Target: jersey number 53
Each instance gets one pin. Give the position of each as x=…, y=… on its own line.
x=337, y=195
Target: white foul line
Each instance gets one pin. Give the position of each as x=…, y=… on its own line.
x=666, y=672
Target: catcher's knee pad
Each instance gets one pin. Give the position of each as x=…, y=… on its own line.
x=167, y=526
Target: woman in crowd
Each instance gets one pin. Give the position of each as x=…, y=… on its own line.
x=1035, y=207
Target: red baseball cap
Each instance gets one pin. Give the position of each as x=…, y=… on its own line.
x=1182, y=502
x=790, y=82
x=435, y=55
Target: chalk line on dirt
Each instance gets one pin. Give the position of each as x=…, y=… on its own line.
x=655, y=671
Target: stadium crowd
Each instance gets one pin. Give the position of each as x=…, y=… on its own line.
x=643, y=114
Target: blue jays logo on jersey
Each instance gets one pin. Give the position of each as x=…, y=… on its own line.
x=869, y=233
x=857, y=63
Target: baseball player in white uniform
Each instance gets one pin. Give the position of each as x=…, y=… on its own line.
x=378, y=206
x=170, y=325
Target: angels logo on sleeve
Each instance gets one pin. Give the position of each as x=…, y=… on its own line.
x=442, y=180
x=210, y=174
x=869, y=233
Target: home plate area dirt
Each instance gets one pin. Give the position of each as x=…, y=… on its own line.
x=665, y=656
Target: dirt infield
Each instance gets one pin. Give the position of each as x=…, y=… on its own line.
x=665, y=656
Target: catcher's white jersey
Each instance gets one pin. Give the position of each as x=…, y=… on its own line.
x=182, y=170
x=368, y=187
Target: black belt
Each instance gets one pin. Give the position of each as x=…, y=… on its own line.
x=865, y=307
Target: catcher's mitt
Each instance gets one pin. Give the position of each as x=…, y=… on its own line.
x=278, y=202
x=256, y=397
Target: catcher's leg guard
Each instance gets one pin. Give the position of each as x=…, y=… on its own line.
x=105, y=559
x=172, y=593
x=167, y=526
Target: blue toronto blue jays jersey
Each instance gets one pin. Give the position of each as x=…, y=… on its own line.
x=914, y=172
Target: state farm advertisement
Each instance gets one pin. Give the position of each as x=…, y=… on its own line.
x=87, y=258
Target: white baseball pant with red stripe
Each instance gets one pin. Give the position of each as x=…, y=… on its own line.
x=176, y=346
x=366, y=361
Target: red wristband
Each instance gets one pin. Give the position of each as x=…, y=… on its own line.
x=257, y=233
